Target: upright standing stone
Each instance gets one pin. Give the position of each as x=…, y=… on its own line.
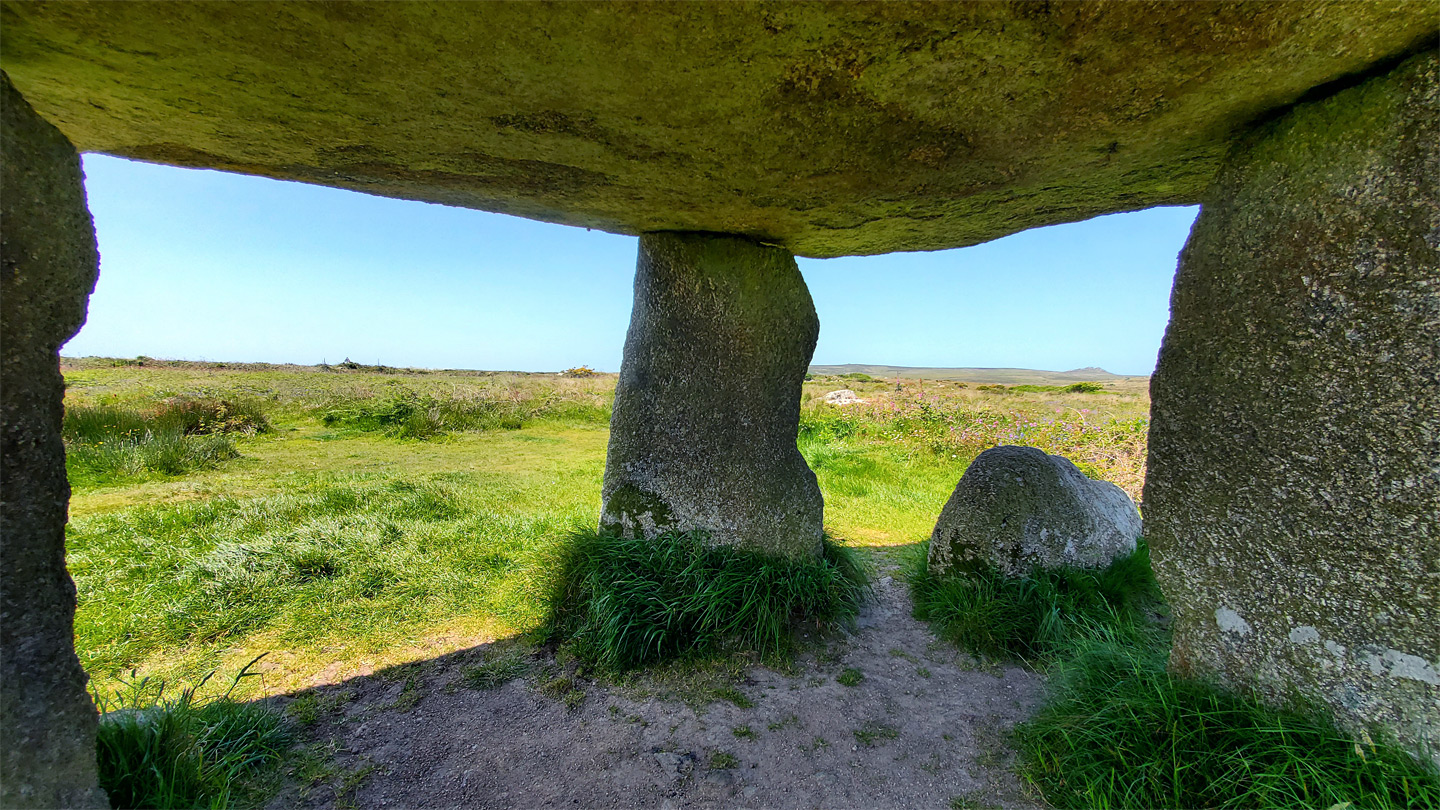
x=48, y=264
x=1293, y=496
x=708, y=404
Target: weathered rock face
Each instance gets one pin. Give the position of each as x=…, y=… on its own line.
x=48, y=264
x=1017, y=508
x=828, y=128
x=843, y=397
x=1293, y=496
x=708, y=403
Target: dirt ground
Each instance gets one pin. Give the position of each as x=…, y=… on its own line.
x=924, y=727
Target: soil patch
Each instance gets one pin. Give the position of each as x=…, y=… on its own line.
x=886, y=717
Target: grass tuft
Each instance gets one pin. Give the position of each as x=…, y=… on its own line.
x=186, y=752
x=174, y=437
x=1034, y=617
x=497, y=671
x=406, y=414
x=1122, y=732
x=623, y=603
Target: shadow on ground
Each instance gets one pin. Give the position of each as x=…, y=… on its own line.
x=885, y=716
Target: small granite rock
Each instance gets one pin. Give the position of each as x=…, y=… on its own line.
x=843, y=397
x=1017, y=508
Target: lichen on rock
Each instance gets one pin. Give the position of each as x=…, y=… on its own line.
x=707, y=407
x=1292, y=501
x=1018, y=508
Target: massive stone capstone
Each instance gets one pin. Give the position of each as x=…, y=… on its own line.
x=708, y=403
x=1293, y=496
x=828, y=128
x=48, y=264
x=1018, y=508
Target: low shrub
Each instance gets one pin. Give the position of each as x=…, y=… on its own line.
x=1036, y=616
x=622, y=603
x=1119, y=731
x=186, y=752
x=177, y=436
x=408, y=415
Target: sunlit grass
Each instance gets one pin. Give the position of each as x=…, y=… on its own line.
x=347, y=547
x=1119, y=731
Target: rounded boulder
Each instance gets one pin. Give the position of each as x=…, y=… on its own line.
x=1019, y=508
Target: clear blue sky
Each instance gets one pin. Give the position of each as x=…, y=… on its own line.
x=206, y=265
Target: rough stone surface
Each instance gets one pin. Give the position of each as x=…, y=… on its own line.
x=828, y=128
x=843, y=397
x=708, y=402
x=1017, y=508
x=1293, y=497
x=48, y=264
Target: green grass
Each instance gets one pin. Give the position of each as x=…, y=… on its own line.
x=360, y=561
x=850, y=677
x=1119, y=731
x=1038, y=616
x=623, y=603
x=406, y=414
x=184, y=752
x=498, y=670
x=106, y=443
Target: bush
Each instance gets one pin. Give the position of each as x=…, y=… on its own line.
x=177, y=436
x=1121, y=732
x=622, y=603
x=408, y=415
x=1083, y=388
x=185, y=752
x=1034, y=617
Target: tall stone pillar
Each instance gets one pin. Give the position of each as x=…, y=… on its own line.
x=708, y=404
x=1293, y=496
x=48, y=264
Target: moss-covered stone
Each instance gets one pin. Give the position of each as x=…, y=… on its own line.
x=708, y=403
x=48, y=264
x=827, y=128
x=1293, y=497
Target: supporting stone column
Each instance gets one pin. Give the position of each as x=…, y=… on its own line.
x=708, y=403
x=1293, y=497
x=48, y=264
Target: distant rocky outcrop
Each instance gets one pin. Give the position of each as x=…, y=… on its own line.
x=843, y=397
x=1017, y=508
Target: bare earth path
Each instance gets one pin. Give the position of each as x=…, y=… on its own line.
x=924, y=727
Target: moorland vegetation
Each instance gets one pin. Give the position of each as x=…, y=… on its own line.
x=374, y=516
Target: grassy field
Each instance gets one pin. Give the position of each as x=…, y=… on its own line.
x=305, y=525
x=345, y=519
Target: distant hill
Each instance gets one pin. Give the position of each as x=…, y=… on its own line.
x=987, y=376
